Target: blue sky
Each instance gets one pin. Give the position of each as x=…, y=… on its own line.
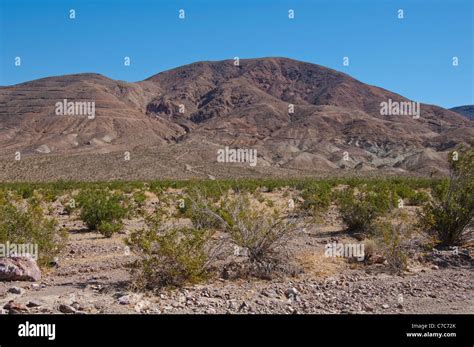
x=412, y=57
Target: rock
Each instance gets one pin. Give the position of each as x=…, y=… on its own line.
x=15, y=307
x=142, y=306
x=269, y=293
x=19, y=269
x=243, y=305
x=33, y=303
x=435, y=267
x=77, y=306
x=124, y=300
x=66, y=309
x=16, y=290
x=54, y=262
x=292, y=293
x=385, y=306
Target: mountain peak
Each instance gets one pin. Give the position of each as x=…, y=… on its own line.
x=297, y=115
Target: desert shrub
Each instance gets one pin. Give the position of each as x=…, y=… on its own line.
x=101, y=210
x=49, y=194
x=25, y=223
x=269, y=203
x=419, y=198
x=169, y=257
x=370, y=248
x=68, y=204
x=139, y=198
x=449, y=217
x=262, y=235
x=403, y=190
x=391, y=236
x=317, y=198
x=359, y=210
x=25, y=191
x=109, y=228
x=203, y=211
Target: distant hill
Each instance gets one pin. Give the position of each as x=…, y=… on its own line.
x=466, y=110
x=300, y=117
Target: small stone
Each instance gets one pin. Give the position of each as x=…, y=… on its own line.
x=124, y=300
x=15, y=307
x=292, y=293
x=77, y=306
x=66, y=309
x=16, y=290
x=54, y=262
x=435, y=267
x=385, y=306
x=33, y=303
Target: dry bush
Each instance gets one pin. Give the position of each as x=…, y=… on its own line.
x=392, y=239
x=262, y=235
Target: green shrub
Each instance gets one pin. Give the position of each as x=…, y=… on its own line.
x=317, y=197
x=449, y=217
x=419, y=198
x=139, y=198
x=359, y=210
x=101, y=210
x=171, y=257
x=26, y=224
x=109, y=228
x=203, y=212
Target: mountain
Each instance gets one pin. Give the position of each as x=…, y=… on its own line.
x=173, y=123
x=466, y=110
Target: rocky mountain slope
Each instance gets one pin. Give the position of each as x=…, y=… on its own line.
x=466, y=110
x=301, y=118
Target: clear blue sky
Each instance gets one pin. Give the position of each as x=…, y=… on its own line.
x=412, y=56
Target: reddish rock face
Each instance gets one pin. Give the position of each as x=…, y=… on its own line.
x=19, y=269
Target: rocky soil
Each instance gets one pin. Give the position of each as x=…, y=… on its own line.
x=91, y=277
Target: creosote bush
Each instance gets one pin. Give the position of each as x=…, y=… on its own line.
x=449, y=217
x=317, y=198
x=102, y=210
x=171, y=256
x=359, y=210
x=25, y=223
x=392, y=234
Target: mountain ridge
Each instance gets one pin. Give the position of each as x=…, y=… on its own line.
x=197, y=108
